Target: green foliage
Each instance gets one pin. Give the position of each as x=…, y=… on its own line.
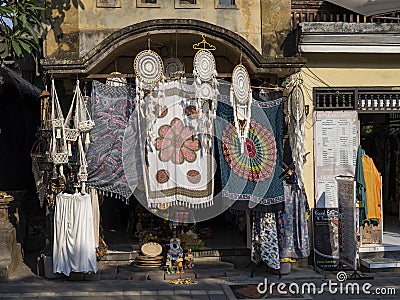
x=19, y=28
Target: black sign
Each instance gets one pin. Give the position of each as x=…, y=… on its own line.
x=326, y=242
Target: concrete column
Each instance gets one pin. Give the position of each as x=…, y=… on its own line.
x=9, y=256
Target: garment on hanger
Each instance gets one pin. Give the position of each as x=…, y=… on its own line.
x=361, y=195
x=292, y=225
x=252, y=176
x=111, y=108
x=264, y=244
x=373, y=185
x=74, y=248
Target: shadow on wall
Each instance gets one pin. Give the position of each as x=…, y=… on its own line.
x=55, y=14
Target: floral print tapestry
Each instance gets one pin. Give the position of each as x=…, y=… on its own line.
x=178, y=170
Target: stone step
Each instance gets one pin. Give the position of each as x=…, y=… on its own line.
x=379, y=264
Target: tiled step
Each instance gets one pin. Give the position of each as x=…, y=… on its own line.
x=380, y=264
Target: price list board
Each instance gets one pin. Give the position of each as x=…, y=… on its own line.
x=335, y=148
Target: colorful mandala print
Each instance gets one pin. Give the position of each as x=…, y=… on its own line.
x=177, y=142
x=162, y=176
x=258, y=161
x=193, y=176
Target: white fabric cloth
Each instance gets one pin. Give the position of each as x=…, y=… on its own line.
x=74, y=249
x=96, y=214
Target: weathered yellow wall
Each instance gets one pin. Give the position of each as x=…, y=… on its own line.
x=341, y=70
x=96, y=23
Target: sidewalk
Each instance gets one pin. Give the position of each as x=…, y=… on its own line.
x=26, y=285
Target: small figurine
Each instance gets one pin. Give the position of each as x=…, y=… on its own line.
x=189, y=259
x=179, y=262
x=168, y=265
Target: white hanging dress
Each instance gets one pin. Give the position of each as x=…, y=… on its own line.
x=74, y=248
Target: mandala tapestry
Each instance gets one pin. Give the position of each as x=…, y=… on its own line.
x=254, y=173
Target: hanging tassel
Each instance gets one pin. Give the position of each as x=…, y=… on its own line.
x=87, y=139
x=58, y=133
x=69, y=149
x=62, y=171
x=83, y=187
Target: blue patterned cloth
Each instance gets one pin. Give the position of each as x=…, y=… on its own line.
x=111, y=107
x=252, y=176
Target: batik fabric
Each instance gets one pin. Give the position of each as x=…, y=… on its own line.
x=111, y=107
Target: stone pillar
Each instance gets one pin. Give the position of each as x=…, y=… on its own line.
x=9, y=256
x=275, y=25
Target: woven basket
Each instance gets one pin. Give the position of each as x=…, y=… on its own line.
x=85, y=125
x=71, y=134
x=151, y=249
x=39, y=156
x=59, y=158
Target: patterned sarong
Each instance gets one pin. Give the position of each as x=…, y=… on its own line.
x=111, y=108
x=177, y=170
x=254, y=174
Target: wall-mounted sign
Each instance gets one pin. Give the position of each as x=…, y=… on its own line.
x=108, y=3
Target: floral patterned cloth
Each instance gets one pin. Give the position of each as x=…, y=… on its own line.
x=264, y=246
x=177, y=170
x=292, y=224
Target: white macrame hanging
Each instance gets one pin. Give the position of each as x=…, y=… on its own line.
x=58, y=143
x=296, y=128
x=82, y=173
x=82, y=115
x=148, y=67
x=206, y=93
x=241, y=99
x=71, y=121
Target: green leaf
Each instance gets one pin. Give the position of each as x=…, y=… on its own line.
x=16, y=48
x=25, y=46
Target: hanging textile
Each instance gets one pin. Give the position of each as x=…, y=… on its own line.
x=94, y=197
x=74, y=248
x=177, y=170
x=294, y=241
x=111, y=108
x=264, y=245
x=373, y=185
x=360, y=186
x=254, y=174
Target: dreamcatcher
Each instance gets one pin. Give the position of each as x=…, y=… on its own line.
x=296, y=126
x=206, y=91
x=240, y=97
x=58, y=142
x=148, y=68
x=173, y=66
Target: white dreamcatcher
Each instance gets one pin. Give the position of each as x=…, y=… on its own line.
x=148, y=68
x=206, y=93
x=296, y=128
x=241, y=99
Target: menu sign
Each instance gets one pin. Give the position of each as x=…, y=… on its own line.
x=335, y=148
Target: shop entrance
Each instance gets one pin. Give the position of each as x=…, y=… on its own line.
x=127, y=226
x=380, y=138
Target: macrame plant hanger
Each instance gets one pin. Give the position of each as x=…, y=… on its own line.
x=206, y=90
x=58, y=143
x=241, y=99
x=71, y=121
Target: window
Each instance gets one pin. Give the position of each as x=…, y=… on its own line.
x=187, y=3
x=148, y=3
x=226, y=4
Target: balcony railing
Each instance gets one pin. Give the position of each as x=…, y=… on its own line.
x=322, y=11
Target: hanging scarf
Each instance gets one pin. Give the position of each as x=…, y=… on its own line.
x=111, y=108
x=254, y=174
